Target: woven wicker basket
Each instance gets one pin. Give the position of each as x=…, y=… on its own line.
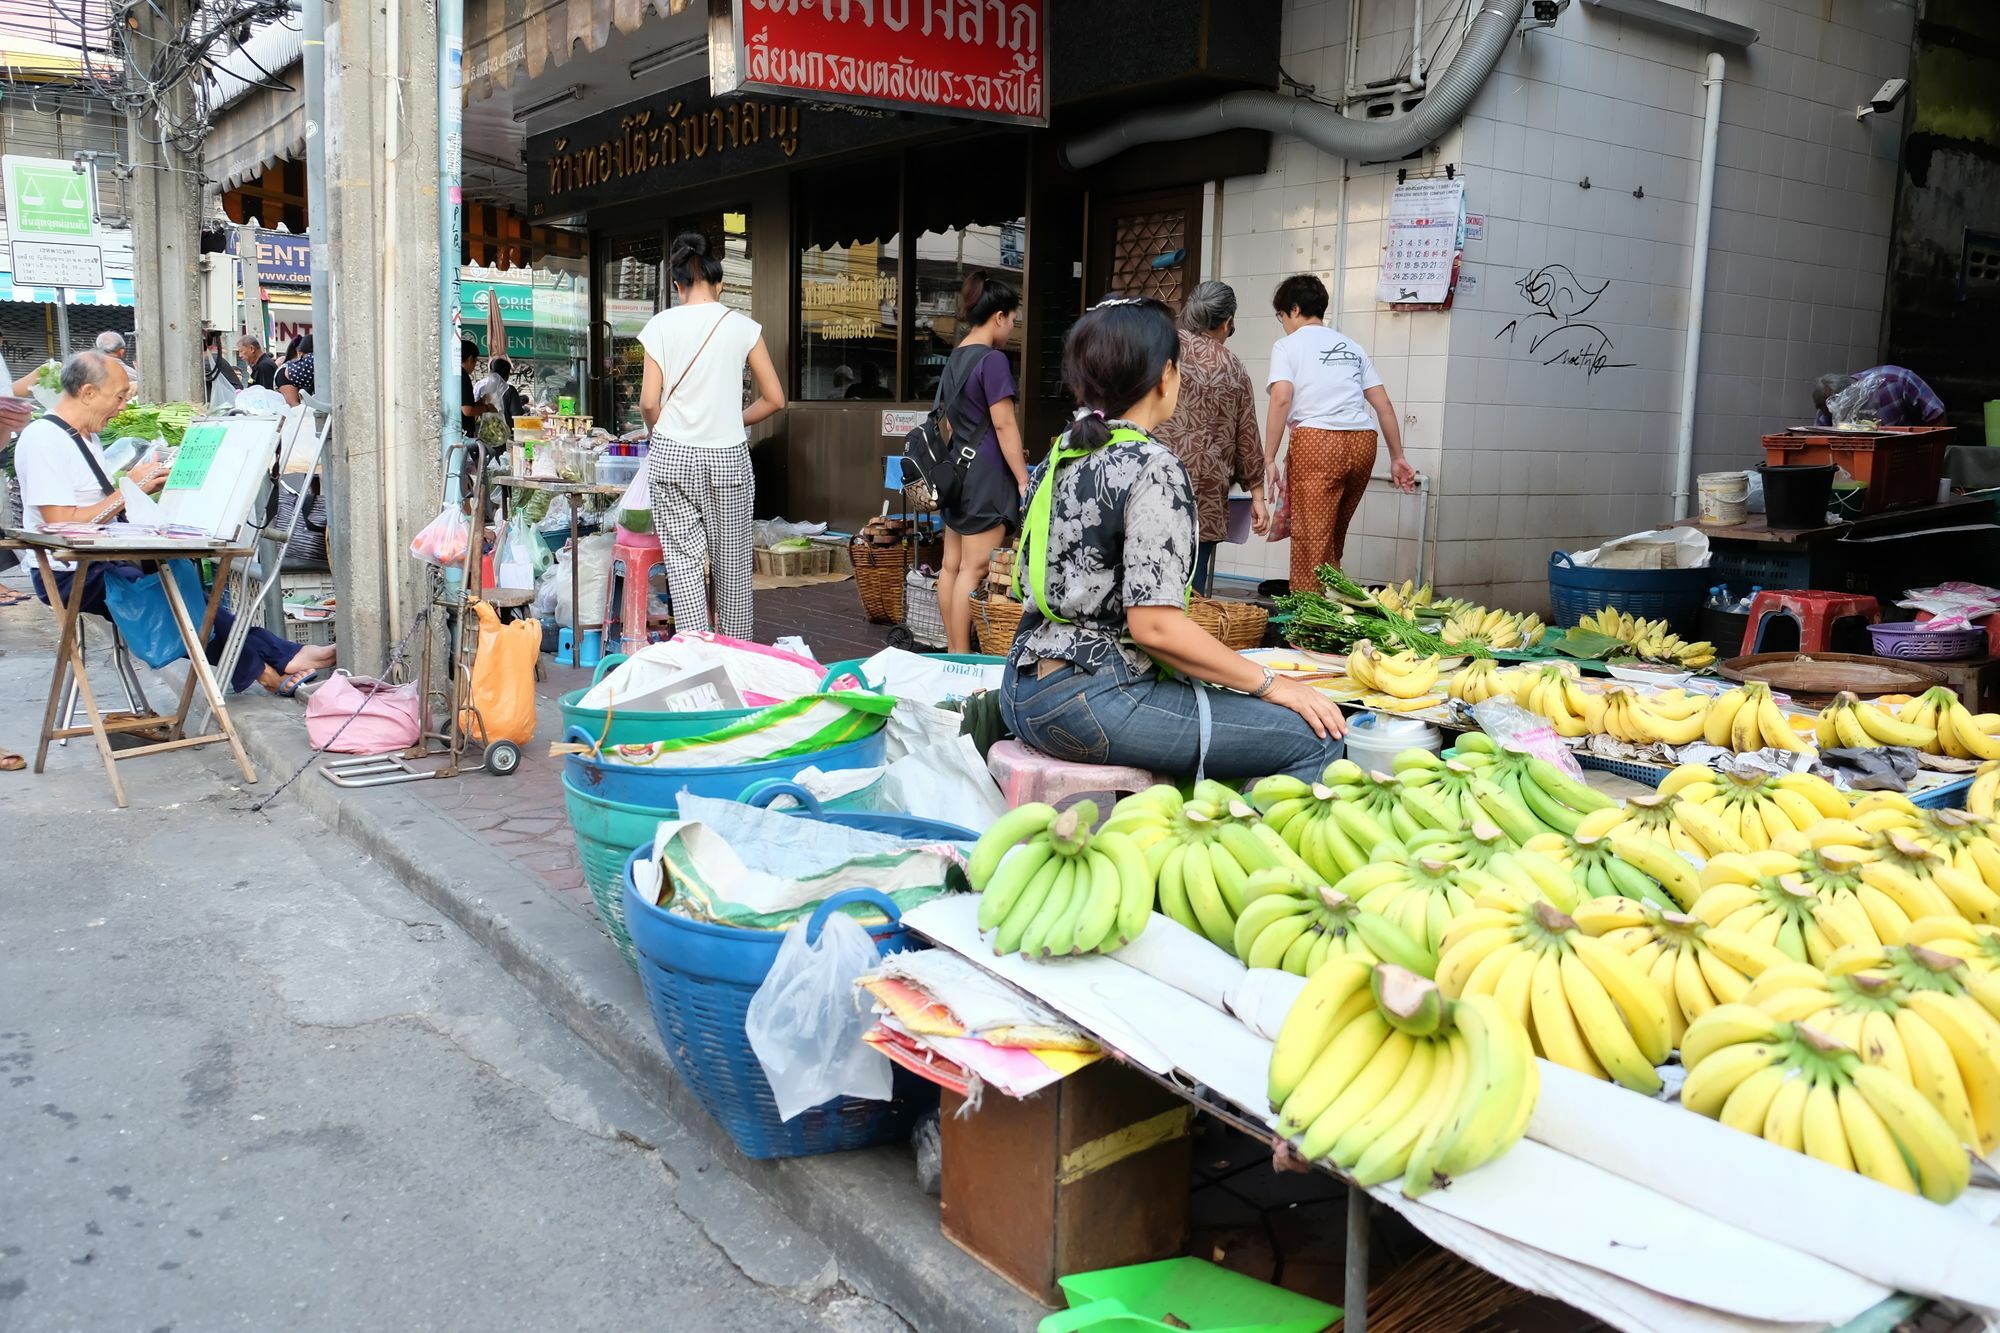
x=995, y=620
x=878, y=577
x=1242, y=624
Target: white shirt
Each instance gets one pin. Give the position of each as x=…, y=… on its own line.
x=1329, y=373
x=50, y=471
x=706, y=411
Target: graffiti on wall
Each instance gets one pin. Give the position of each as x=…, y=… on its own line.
x=1557, y=332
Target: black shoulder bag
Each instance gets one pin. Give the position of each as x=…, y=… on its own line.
x=938, y=453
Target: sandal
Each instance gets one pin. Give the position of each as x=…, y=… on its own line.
x=8, y=597
x=289, y=687
x=11, y=762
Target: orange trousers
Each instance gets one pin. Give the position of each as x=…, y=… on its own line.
x=1325, y=476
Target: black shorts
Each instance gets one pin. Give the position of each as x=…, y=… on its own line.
x=987, y=499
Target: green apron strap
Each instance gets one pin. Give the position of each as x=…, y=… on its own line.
x=1035, y=527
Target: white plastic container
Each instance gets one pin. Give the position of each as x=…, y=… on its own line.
x=1723, y=496
x=1375, y=739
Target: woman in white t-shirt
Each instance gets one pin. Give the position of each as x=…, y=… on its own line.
x=1325, y=389
x=699, y=464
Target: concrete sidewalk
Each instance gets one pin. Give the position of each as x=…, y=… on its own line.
x=865, y=1206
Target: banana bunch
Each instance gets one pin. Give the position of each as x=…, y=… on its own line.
x=1605, y=858
x=1695, y=966
x=1909, y=1010
x=1964, y=841
x=1983, y=798
x=1200, y=852
x=1420, y=894
x=1689, y=828
x=1961, y=733
x=1587, y=1004
x=1401, y=675
x=1439, y=790
x=1329, y=824
x=1406, y=600
x=1554, y=692
x=1552, y=799
x=1748, y=718
x=1378, y=1072
x=1295, y=924
x=1482, y=628
x=1808, y=907
x=1797, y=1087
x=1650, y=639
x=1924, y=880
x=1977, y=946
x=1852, y=723
x=1479, y=680
x=1728, y=812
x=1670, y=717
x=1049, y=888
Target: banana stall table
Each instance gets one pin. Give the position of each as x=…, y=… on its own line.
x=576, y=490
x=111, y=547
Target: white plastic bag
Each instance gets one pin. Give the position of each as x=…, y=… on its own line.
x=805, y=1022
x=596, y=568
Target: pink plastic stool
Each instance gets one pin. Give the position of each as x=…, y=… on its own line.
x=632, y=552
x=1026, y=774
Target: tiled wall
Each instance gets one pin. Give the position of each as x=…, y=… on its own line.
x=1528, y=457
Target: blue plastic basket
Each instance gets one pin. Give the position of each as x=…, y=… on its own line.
x=1672, y=595
x=660, y=786
x=699, y=979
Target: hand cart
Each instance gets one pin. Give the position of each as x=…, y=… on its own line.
x=453, y=740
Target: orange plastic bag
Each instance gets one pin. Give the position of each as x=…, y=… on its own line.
x=503, y=679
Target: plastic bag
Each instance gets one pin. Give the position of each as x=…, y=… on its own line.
x=503, y=679
x=770, y=531
x=139, y=607
x=596, y=572
x=547, y=589
x=1281, y=518
x=806, y=1023
x=1515, y=727
x=522, y=555
x=443, y=540
x=635, y=507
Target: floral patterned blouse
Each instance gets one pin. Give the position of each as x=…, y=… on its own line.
x=1214, y=430
x=1121, y=534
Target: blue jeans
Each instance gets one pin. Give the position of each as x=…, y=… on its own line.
x=1112, y=715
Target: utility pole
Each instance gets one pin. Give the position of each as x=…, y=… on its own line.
x=165, y=193
x=383, y=257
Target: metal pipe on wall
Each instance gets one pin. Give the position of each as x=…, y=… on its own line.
x=1704, y=215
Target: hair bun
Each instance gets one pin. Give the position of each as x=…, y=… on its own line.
x=690, y=243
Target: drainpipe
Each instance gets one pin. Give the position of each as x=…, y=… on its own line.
x=1704, y=213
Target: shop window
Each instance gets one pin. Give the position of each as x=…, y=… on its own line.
x=849, y=284
x=630, y=279
x=728, y=233
x=963, y=220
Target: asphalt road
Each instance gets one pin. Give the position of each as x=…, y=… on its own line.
x=251, y=1082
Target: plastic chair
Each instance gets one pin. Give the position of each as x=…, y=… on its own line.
x=1818, y=617
x=634, y=557
x=1026, y=774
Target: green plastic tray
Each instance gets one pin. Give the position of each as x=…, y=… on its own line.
x=1202, y=1296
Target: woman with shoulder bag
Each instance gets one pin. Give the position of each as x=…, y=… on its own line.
x=978, y=389
x=1107, y=668
x=698, y=468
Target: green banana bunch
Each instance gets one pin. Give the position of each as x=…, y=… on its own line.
x=1375, y=1070
x=1050, y=888
x=1295, y=924
x=1604, y=859
x=1200, y=853
x=1531, y=785
x=1334, y=825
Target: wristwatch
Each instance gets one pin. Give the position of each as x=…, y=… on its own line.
x=1270, y=679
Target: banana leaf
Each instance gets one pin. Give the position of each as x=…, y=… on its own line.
x=1583, y=643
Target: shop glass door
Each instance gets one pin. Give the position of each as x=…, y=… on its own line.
x=630, y=278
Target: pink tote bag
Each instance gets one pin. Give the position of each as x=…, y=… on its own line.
x=360, y=715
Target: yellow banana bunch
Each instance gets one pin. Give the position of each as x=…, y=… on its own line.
x=1922, y=880
x=1672, y=717
x=1554, y=692
x=1852, y=723
x=1477, y=681
x=1420, y=894
x=1753, y=809
x=1294, y=924
x=1806, y=906
x=1983, y=799
x=1748, y=718
x=1586, y=1003
x=1978, y=946
x=1375, y=1070
x=1694, y=965
x=1963, y=839
x=1935, y=722
x=1801, y=1089
x=1479, y=627
x=1909, y=1010
x=1405, y=600
x=1402, y=675
x=1651, y=639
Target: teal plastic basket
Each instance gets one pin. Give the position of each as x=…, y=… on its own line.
x=618, y=726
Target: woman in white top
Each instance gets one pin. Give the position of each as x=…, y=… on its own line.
x=699, y=463
x=1325, y=389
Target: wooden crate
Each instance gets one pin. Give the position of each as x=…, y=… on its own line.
x=1092, y=1173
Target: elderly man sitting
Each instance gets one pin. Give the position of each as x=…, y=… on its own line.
x=60, y=468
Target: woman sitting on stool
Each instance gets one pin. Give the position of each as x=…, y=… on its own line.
x=60, y=469
x=1108, y=547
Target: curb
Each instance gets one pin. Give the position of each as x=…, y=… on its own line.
x=864, y=1206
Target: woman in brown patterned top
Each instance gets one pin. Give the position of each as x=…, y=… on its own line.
x=1214, y=430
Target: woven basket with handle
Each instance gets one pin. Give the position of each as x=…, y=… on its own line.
x=878, y=577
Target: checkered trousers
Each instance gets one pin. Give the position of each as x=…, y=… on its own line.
x=702, y=500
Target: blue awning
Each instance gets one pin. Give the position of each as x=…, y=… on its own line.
x=117, y=292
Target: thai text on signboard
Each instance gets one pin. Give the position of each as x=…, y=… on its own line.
x=979, y=58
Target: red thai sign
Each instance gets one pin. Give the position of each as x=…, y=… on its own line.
x=985, y=59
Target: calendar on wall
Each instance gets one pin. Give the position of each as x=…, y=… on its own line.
x=1426, y=232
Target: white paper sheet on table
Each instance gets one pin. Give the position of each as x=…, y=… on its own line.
x=1576, y=1242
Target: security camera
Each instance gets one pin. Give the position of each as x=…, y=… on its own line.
x=1885, y=99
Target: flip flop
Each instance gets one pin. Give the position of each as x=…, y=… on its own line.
x=289, y=687
x=8, y=597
